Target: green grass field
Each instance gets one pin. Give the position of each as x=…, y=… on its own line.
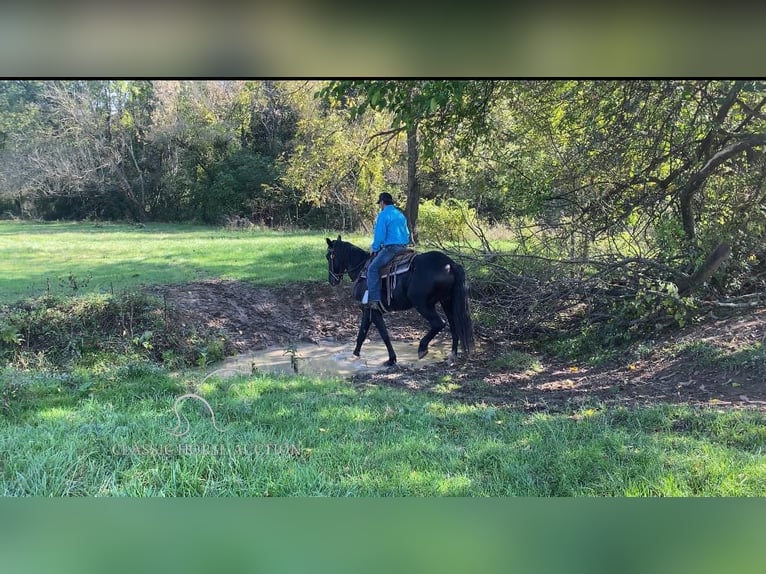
x=37, y=257
x=111, y=434
x=105, y=427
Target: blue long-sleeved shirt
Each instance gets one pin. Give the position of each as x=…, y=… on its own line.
x=390, y=228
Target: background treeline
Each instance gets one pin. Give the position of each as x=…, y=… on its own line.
x=681, y=159
x=644, y=176
x=207, y=151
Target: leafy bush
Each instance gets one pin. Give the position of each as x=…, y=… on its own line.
x=445, y=222
x=661, y=299
x=234, y=186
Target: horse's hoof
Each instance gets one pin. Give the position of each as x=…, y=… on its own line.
x=390, y=363
x=355, y=353
x=422, y=354
x=452, y=358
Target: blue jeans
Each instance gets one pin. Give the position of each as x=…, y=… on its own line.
x=383, y=257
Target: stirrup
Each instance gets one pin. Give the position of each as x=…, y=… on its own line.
x=375, y=305
x=379, y=306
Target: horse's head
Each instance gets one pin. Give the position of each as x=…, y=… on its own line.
x=335, y=266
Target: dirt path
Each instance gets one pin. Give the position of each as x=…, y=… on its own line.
x=253, y=317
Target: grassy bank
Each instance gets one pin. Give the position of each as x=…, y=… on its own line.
x=112, y=434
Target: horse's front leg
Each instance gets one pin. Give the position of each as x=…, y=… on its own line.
x=377, y=318
x=364, y=326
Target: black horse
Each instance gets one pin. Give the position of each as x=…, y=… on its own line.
x=432, y=278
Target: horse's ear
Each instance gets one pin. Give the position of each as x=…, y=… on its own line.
x=339, y=237
x=329, y=243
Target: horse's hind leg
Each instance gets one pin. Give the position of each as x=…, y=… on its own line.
x=364, y=326
x=437, y=324
x=448, y=310
x=377, y=318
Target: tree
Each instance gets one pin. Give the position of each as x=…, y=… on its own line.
x=334, y=167
x=650, y=158
x=20, y=119
x=425, y=109
x=89, y=151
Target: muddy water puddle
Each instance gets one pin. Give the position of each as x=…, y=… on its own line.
x=329, y=359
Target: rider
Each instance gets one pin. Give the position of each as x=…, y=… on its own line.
x=391, y=237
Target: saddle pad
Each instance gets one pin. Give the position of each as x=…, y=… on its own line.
x=401, y=263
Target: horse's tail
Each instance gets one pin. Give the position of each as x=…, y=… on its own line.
x=461, y=309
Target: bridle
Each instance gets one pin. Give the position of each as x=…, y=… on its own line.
x=338, y=277
x=331, y=260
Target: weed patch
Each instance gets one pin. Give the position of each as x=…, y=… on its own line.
x=61, y=332
x=516, y=362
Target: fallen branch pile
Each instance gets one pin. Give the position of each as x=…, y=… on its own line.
x=528, y=296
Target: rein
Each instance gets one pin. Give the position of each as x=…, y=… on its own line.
x=356, y=268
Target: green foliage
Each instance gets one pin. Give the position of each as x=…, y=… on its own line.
x=655, y=307
x=591, y=344
x=239, y=184
x=11, y=338
x=19, y=108
x=446, y=221
x=669, y=236
x=437, y=107
x=660, y=299
x=338, y=167
x=211, y=351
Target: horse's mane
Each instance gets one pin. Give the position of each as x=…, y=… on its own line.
x=350, y=249
x=354, y=256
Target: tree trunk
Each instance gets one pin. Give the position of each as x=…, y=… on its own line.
x=695, y=183
x=127, y=191
x=413, y=186
x=706, y=270
x=687, y=214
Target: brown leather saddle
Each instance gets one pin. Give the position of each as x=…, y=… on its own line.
x=401, y=263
